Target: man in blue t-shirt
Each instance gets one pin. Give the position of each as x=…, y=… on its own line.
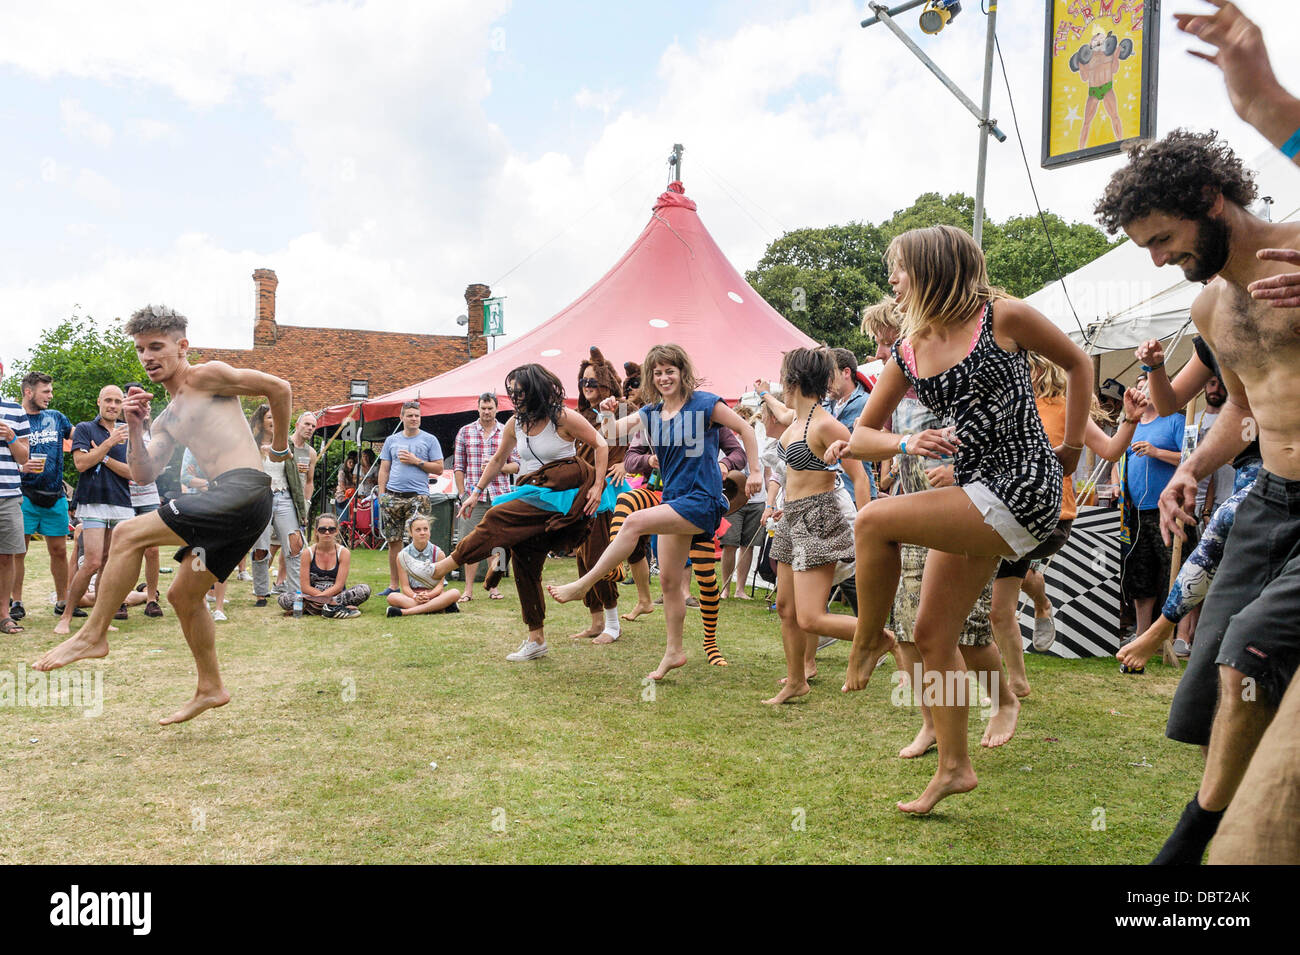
x=1149, y=464
x=405, y=463
x=45, y=507
x=13, y=455
x=103, y=496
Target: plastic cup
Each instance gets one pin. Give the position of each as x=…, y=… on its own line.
x=38, y=459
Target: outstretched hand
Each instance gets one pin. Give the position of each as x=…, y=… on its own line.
x=1239, y=52
x=1177, y=504
x=1280, y=291
x=836, y=450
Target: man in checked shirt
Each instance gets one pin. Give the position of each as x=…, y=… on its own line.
x=476, y=442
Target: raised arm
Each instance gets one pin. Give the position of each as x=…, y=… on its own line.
x=1168, y=396
x=1112, y=447
x=221, y=379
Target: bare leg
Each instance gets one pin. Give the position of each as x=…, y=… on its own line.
x=793, y=639
x=151, y=573
x=925, y=739
x=1006, y=631
x=6, y=583
x=1035, y=586
x=644, y=605
x=1144, y=608
x=95, y=540
x=116, y=580
x=58, y=549
x=662, y=520
x=14, y=590
x=1089, y=111
x=943, y=519
x=1111, y=103
x=471, y=570
x=597, y=626
x=1004, y=712
x=949, y=588
x=186, y=596
x=1137, y=652
x=673, y=549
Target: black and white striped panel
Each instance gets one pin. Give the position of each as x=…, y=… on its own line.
x=1083, y=584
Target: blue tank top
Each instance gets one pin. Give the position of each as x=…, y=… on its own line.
x=687, y=447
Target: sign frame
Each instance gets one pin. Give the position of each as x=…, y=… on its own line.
x=1148, y=95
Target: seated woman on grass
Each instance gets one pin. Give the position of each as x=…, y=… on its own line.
x=323, y=577
x=419, y=589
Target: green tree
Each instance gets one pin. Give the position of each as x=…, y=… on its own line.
x=821, y=279
x=1020, y=260
x=82, y=356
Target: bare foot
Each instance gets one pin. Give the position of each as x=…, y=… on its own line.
x=943, y=783
x=808, y=675
x=593, y=631
x=788, y=693
x=923, y=743
x=743, y=596
x=603, y=638
x=63, y=627
x=75, y=648
x=1018, y=686
x=864, y=659
x=670, y=661
x=566, y=592
x=640, y=610
x=1136, y=653
x=1002, y=725
x=201, y=702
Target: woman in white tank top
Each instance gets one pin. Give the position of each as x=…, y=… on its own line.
x=552, y=507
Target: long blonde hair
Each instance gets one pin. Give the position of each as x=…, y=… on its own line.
x=947, y=277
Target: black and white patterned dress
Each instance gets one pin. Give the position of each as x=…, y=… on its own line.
x=1004, y=451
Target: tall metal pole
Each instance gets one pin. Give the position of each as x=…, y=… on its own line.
x=978, y=230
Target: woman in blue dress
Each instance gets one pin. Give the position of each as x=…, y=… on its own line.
x=681, y=424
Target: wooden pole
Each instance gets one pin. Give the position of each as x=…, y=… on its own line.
x=1176, y=560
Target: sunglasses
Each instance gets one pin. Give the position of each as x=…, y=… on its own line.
x=588, y=383
x=326, y=529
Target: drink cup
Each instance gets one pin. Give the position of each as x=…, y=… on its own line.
x=37, y=460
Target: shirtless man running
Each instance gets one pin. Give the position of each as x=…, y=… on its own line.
x=213, y=530
x=1185, y=200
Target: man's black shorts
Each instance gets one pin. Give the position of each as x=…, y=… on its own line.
x=1251, y=617
x=221, y=524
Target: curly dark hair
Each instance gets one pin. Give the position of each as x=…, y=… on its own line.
x=536, y=394
x=1181, y=175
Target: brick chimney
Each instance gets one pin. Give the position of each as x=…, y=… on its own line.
x=474, y=296
x=264, y=331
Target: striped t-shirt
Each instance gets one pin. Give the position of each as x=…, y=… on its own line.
x=11, y=481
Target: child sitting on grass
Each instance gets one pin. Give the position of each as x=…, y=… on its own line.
x=419, y=591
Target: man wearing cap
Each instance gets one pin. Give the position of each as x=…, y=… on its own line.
x=45, y=506
x=13, y=455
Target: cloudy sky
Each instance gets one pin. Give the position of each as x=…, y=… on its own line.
x=380, y=156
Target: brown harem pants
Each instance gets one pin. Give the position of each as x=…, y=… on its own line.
x=530, y=533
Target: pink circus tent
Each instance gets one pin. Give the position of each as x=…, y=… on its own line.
x=673, y=285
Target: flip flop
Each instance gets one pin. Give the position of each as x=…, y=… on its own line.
x=465, y=598
x=8, y=625
x=497, y=596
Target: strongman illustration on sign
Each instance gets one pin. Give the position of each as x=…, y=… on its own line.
x=1097, y=64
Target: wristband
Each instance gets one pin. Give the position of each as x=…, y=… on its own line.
x=1291, y=148
x=1072, y=447
x=762, y=394
x=902, y=445
x=1147, y=369
x=284, y=453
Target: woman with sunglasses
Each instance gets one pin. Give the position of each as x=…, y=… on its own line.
x=551, y=509
x=323, y=578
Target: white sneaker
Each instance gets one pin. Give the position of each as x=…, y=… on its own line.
x=528, y=651
x=218, y=616
x=1044, y=633
x=244, y=575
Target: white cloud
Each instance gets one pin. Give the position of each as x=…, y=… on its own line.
x=151, y=130
x=794, y=120
x=80, y=125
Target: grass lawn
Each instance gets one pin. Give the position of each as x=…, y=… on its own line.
x=324, y=753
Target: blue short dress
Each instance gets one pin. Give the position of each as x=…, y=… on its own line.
x=687, y=447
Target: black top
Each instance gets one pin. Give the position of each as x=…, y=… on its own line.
x=100, y=485
x=1251, y=454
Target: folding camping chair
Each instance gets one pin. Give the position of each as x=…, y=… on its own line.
x=359, y=527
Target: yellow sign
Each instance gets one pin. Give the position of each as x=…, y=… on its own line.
x=1099, y=80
